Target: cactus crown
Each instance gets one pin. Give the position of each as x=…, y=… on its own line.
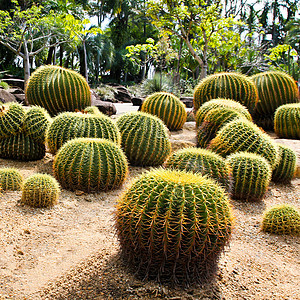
x=10, y=179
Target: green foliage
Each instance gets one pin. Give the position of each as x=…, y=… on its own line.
x=287, y=121
x=167, y=107
x=201, y=161
x=282, y=219
x=90, y=164
x=10, y=179
x=58, y=89
x=172, y=225
x=4, y=85
x=105, y=92
x=274, y=89
x=243, y=136
x=40, y=190
x=67, y=126
x=251, y=175
x=145, y=139
x=159, y=83
x=233, y=86
x=286, y=168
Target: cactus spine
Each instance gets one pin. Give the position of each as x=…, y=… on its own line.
x=10, y=179
x=172, y=225
x=287, y=121
x=40, y=190
x=251, y=174
x=58, y=89
x=90, y=164
x=233, y=86
x=167, y=107
x=145, y=139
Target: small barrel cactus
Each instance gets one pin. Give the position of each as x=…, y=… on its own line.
x=216, y=103
x=90, y=164
x=286, y=168
x=251, y=175
x=200, y=161
x=233, y=86
x=67, y=126
x=212, y=122
x=40, y=190
x=21, y=147
x=287, y=121
x=282, y=219
x=243, y=136
x=36, y=122
x=274, y=89
x=11, y=119
x=57, y=89
x=167, y=107
x=172, y=225
x=10, y=179
x=145, y=139
x=94, y=110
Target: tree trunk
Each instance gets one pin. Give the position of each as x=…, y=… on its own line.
x=26, y=66
x=61, y=54
x=85, y=61
x=50, y=55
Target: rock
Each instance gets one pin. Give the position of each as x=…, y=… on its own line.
x=121, y=93
x=137, y=101
x=20, y=98
x=16, y=91
x=105, y=107
x=188, y=101
x=6, y=96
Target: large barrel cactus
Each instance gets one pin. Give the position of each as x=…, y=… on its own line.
x=243, y=136
x=251, y=175
x=145, y=139
x=219, y=103
x=10, y=179
x=233, y=86
x=67, y=126
x=58, y=89
x=90, y=164
x=274, y=89
x=202, y=161
x=287, y=121
x=173, y=225
x=167, y=107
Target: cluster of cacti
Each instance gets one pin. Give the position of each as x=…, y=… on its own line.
x=233, y=86
x=58, y=89
x=286, y=168
x=274, y=89
x=251, y=175
x=282, y=219
x=22, y=134
x=90, y=164
x=213, y=121
x=144, y=139
x=220, y=103
x=40, y=190
x=172, y=225
x=287, y=121
x=167, y=107
x=10, y=179
x=202, y=161
x=243, y=136
x=67, y=126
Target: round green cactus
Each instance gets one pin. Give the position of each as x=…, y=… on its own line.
x=216, y=103
x=274, y=89
x=36, y=122
x=200, y=161
x=40, y=190
x=213, y=121
x=90, y=164
x=57, y=89
x=282, y=219
x=287, y=121
x=10, y=179
x=251, y=175
x=286, y=168
x=172, y=225
x=67, y=126
x=145, y=139
x=94, y=110
x=243, y=136
x=21, y=147
x=11, y=119
x=233, y=86
x=167, y=107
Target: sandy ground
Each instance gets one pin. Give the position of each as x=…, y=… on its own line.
x=71, y=252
